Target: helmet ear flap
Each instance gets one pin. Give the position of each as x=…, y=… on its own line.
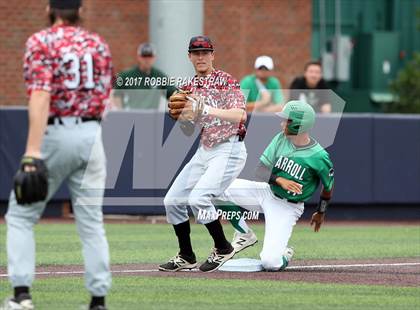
x=292, y=127
x=295, y=127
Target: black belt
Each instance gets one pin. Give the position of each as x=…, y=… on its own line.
x=52, y=119
x=240, y=138
x=288, y=200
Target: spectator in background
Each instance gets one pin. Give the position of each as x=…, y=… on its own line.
x=135, y=88
x=305, y=88
x=264, y=89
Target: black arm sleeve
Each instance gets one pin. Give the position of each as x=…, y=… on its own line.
x=263, y=174
x=324, y=201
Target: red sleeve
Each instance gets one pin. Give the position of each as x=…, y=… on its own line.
x=185, y=87
x=37, y=65
x=107, y=70
x=234, y=97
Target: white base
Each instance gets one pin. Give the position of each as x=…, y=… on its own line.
x=242, y=265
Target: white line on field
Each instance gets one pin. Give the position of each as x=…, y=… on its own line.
x=75, y=272
x=353, y=265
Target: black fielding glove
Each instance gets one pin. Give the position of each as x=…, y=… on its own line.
x=31, y=181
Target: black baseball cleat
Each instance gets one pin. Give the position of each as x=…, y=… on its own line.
x=179, y=262
x=217, y=258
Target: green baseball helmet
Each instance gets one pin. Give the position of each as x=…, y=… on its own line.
x=301, y=116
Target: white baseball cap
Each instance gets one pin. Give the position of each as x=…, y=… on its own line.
x=265, y=61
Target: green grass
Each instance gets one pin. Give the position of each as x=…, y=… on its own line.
x=134, y=243
x=147, y=243
x=175, y=293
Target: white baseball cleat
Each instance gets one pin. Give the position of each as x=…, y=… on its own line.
x=289, y=254
x=287, y=258
x=242, y=241
x=24, y=302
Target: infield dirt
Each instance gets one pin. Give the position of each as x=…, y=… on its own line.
x=319, y=271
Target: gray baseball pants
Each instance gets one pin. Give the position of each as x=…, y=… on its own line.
x=72, y=151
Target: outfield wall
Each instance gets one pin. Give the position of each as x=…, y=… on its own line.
x=376, y=157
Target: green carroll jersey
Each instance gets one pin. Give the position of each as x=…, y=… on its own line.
x=306, y=165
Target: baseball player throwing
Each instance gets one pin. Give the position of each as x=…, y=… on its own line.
x=212, y=101
x=68, y=74
x=289, y=172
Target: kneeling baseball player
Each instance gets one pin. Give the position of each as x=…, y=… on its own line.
x=289, y=172
x=212, y=101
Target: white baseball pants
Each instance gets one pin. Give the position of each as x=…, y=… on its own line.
x=205, y=177
x=280, y=217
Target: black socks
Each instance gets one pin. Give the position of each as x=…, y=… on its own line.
x=20, y=290
x=97, y=301
x=183, y=231
x=216, y=231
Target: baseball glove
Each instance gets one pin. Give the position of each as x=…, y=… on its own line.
x=185, y=108
x=177, y=103
x=31, y=181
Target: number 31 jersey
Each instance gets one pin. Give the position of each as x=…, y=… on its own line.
x=72, y=64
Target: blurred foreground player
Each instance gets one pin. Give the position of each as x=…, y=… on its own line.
x=68, y=74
